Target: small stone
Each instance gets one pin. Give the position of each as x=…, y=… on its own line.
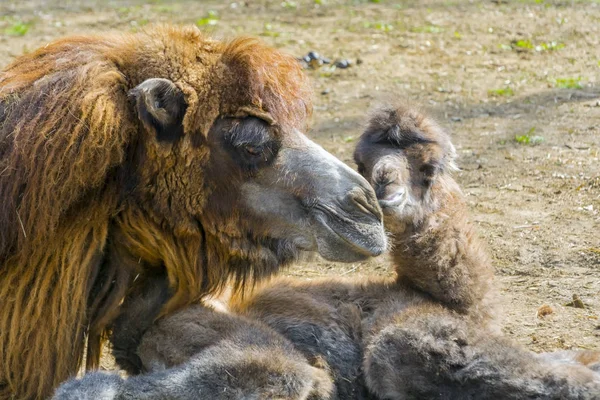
x=315, y=63
x=534, y=339
x=313, y=55
x=343, y=64
x=326, y=91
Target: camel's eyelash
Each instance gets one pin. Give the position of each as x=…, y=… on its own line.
x=250, y=132
x=398, y=138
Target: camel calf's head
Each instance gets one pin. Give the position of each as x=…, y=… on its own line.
x=405, y=156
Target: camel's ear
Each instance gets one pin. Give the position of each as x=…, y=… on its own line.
x=441, y=160
x=160, y=105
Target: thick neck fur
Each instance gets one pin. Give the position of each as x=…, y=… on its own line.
x=440, y=253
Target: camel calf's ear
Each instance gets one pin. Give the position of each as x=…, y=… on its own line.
x=160, y=105
x=429, y=171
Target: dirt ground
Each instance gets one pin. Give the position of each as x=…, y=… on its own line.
x=516, y=82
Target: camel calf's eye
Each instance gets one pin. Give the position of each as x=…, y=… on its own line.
x=253, y=151
x=361, y=168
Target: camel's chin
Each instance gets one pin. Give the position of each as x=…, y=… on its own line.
x=398, y=213
x=400, y=219
x=390, y=214
x=340, y=243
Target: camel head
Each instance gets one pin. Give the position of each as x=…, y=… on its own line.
x=225, y=138
x=407, y=159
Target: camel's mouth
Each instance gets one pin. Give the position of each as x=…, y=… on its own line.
x=396, y=200
x=340, y=238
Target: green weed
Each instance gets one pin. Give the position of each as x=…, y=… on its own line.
x=17, y=28
x=549, y=46
x=529, y=138
x=503, y=92
x=269, y=31
x=522, y=45
x=568, y=83
x=211, y=19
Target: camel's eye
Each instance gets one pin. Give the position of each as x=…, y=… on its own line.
x=251, y=142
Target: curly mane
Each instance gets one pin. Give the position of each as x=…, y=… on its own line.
x=277, y=85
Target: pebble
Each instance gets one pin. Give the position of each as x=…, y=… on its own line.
x=315, y=63
x=342, y=64
x=314, y=60
x=313, y=55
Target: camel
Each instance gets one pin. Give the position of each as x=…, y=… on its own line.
x=428, y=332
x=158, y=153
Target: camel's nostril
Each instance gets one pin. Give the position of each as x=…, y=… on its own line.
x=383, y=180
x=366, y=200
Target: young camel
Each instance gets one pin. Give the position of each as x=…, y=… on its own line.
x=426, y=333
x=429, y=331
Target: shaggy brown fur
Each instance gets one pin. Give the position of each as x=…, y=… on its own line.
x=429, y=353
x=436, y=248
x=101, y=183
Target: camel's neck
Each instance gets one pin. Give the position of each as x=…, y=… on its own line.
x=425, y=241
x=444, y=213
x=442, y=256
